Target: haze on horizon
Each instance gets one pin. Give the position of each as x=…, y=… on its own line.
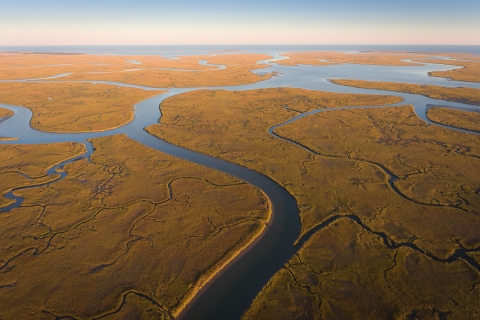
x=109, y=22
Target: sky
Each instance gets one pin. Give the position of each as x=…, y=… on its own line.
x=177, y=22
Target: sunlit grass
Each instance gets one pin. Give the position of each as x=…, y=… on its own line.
x=136, y=227
x=74, y=107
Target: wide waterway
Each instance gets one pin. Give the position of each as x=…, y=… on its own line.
x=231, y=291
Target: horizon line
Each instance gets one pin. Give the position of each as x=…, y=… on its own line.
x=241, y=44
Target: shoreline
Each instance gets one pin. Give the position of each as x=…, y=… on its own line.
x=208, y=278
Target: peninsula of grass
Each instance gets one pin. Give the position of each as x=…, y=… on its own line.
x=5, y=113
x=469, y=71
x=469, y=120
x=74, y=107
x=462, y=95
x=120, y=231
x=327, y=58
x=406, y=189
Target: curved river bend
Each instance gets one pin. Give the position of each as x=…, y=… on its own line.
x=231, y=291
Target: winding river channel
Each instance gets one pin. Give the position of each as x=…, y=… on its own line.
x=231, y=291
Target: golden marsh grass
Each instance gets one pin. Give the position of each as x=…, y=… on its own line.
x=455, y=118
x=16, y=161
x=74, y=107
x=326, y=58
x=123, y=231
x=469, y=71
x=153, y=71
x=431, y=206
x=462, y=95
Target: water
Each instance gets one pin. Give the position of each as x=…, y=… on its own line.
x=231, y=290
x=175, y=50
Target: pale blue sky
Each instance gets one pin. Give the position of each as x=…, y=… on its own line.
x=68, y=22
